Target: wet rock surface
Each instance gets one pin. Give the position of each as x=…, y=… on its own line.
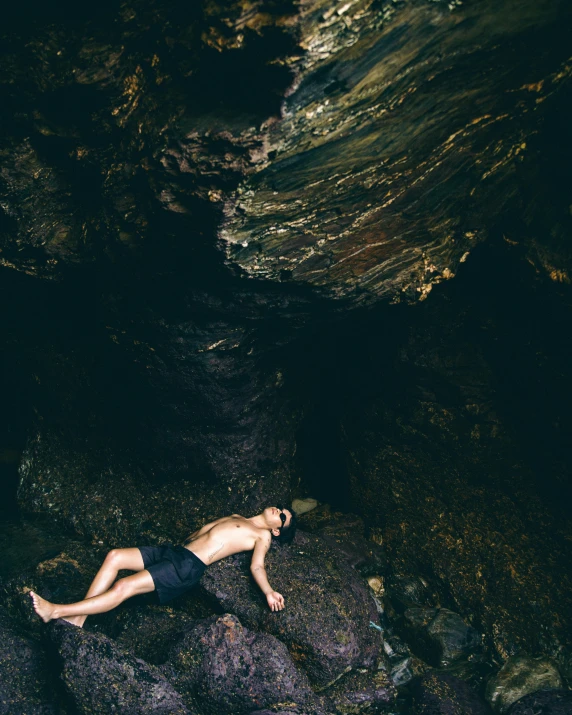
x=225, y=667
x=100, y=677
x=518, y=677
x=322, y=140
x=325, y=623
x=26, y=683
x=443, y=694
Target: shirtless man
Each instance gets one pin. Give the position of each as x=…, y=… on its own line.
x=172, y=570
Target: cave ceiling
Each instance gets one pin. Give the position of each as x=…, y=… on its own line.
x=360, y=148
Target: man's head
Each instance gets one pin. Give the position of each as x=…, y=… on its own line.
x=283, y=521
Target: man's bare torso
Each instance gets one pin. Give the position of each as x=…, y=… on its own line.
x=224, y=537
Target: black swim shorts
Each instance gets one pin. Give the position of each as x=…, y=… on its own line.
x=174, y=569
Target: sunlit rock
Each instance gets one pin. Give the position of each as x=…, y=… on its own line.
x=303, y=506
x=520, y=676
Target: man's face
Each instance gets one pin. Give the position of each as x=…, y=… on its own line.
x=278, y=517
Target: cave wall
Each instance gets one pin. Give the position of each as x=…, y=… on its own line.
x=458, y=444
x=220, y=215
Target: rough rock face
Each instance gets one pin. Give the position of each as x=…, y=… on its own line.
x=400, y=124
x=148, y=632
x=518, y=677
x=389, y=144
x=227, y=668
x=443, y=694
x=25, y=686
x=444, y=451
x=325, y=623
x=364, y=691
x=154, y=486
x=101, y=677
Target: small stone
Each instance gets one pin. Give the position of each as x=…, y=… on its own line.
x=407, y=592
x=518, y=677
x=376, y=535
x=303, y=506
x=406, y=669
x=376, y=585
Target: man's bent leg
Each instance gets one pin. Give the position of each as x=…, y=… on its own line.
x=115, y=561
x=122, y=590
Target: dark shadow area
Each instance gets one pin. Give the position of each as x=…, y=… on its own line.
x=321, y=458
x=491, y=348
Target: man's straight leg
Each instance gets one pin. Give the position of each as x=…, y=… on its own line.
x=122, y=590
x=115, y=561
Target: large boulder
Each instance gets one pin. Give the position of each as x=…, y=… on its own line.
x=228, y=668
x=100, y=677
x=24, y=674
x=325, y=623
x=520, y=676
x=439, y=636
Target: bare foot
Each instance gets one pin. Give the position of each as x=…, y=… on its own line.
x=43, y=608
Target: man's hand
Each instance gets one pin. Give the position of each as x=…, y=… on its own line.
x=275, y=601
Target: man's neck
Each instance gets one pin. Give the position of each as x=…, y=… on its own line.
x=259, y=522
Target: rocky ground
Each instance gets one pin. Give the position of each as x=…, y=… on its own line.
x=356, y=637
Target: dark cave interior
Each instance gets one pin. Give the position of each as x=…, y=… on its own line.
x=337, y=366
x=256, y=252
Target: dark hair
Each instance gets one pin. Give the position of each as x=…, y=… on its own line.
x=287, y=533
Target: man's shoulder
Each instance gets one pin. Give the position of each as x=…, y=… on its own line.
x=264, y=536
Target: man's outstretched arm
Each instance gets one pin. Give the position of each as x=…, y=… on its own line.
x=274, y=599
